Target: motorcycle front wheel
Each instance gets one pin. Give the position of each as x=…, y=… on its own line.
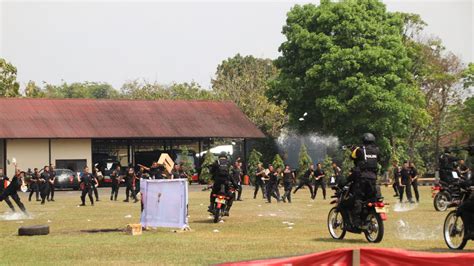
x=375, y=230
x=441, y=201
x=336, y=224
x=453, y=231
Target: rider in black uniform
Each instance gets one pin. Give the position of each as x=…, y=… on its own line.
x=364, y=174
x=220, y=173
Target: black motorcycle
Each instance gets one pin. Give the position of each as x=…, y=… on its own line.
x=443, y=194
x=454, y=231
x=340, y=218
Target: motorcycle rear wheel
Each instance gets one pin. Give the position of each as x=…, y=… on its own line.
x=336, y=224
x=375, y=230
x=441, y=201
x=454, y=231
x=217, y=214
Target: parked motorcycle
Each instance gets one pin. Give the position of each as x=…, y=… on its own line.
x=444, y=194
x=340, y=218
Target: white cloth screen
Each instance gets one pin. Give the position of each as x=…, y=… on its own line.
x=164, y=203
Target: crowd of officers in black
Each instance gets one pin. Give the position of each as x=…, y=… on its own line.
x=269, y=180
x=42, y=183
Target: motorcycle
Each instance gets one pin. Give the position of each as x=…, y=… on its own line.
x=222, y=203
x=443, y=194
x=340, y=218
x=454, y=231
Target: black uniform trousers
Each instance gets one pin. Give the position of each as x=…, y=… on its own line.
x=51, y=191
x=396, y=187
x=414, y=184
x=288, y=186
x=6, y=199
x=14, y=195
x=34, y=188
x=305, y=182
x=317, y=184
x=272, y=191
x=115, y=190
x=44, y=187
x=96, y=192
x=259, y=185
x=87, y=191
x=129, y=190
x=239, y=191
x=405, y=188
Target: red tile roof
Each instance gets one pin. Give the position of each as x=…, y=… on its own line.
x=87, y=118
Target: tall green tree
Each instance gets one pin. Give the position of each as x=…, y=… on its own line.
x=205, y=176
x=9, y=87
x=245, y=81
x=185, y=161
x=278, y=162
x=304, y=160
x=345, y=64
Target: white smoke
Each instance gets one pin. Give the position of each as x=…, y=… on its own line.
x=407, y=231
x=289, y=143
x=404, y=207
x=14, y=216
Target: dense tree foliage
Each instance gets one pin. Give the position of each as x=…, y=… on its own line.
x=244, y=80
x=9, y=87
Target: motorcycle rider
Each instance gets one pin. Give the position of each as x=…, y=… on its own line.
x=447, y=164
x=364, y=175
x=221, y=176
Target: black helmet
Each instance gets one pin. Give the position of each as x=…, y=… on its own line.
x=223, y=154
x=368, y=138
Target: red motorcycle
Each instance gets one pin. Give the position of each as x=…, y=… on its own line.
x=222, y=203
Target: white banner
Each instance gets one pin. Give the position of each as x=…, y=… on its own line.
x=164, y=203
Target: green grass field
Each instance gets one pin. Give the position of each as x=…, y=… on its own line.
x=254, y=230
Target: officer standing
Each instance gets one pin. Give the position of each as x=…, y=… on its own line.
x=319, y=176
x=414, y=180
x=34, y=185
x=237, y=176
x=95, y=182
x=288, y=181
x=129, y=182
x=259, y=184
x=115, y=176
x=396, y=178
x=86, y=183
x=364, y=175
x=4, y=182
x=44, y=184
x=405, y=182
x=306, y=180
x=52, y=179
x=337, y=173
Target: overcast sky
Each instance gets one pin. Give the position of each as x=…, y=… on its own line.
x=171, y=41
